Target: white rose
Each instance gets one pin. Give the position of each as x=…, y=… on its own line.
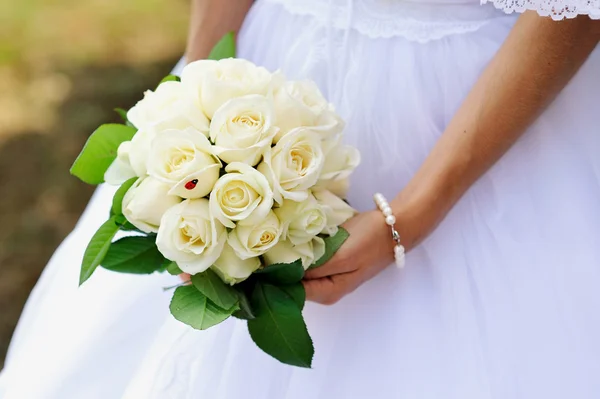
x=141, y=144
x=337, y=187
x=120, y=170
x=185, y=160
x=242, y=129
x=300, y=103
x=189, y=236
x=336, y=210
x=301, y=221
x=232, y=269
x=241, y=195
x=214, y=83
x=293, y=165
x=145, y=203
x=139, y=150
x=340, y=162
x=249, y=241
x=286, y=252
x=169, y=107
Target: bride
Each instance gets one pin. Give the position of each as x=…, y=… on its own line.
x=481, y=128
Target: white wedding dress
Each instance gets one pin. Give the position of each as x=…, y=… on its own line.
x=502, y=301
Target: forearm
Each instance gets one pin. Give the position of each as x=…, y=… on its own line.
x=210, y=21
x=536, y=61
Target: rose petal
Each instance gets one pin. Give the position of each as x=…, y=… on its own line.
x=206, y=179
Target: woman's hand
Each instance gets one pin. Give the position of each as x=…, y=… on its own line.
x=534, y=64
x=368, y=250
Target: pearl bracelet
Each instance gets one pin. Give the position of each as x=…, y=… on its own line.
x=390, y=220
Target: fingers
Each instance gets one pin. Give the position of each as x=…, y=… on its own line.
x=330, y=289
x=336, y=265
x=319, y=290
x=185, y=277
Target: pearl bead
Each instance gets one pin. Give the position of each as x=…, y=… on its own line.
x=400, y=262
x=390, y=220
x=399, y=256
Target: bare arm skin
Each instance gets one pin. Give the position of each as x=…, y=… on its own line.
x=210, y=21
x=533, y=65
x=537, y=60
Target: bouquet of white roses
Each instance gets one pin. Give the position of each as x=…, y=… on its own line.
x=233, y=175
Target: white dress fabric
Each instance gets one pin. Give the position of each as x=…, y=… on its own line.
x=556, y=9
x=500, y=302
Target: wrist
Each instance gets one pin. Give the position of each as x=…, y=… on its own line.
x=390, y=221
x=416, y=216
x=382, y=238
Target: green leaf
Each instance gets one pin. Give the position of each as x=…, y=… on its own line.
x=120, y=220
x=193, y=308
x=170, y=78
x=136, y=255
x=279, y=328
x=332, y=244
x=100, y=151
x=225, y=48
x=117, y=202
x=122, y=113
x=97, y=249
x=211, y=285
x=173, y=269
x=282, y=273
x=245, y=311
x=296, y=292
x=163, y=267
x=125, y=225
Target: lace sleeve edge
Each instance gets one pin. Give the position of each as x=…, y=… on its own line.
x=556, y=9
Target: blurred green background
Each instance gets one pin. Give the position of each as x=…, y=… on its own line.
x=64, y=65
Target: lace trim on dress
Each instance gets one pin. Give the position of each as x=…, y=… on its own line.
x=420, y=22
x=556, y=9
